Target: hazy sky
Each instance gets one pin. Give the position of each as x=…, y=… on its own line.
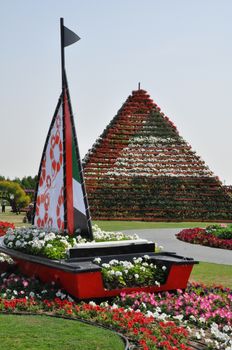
x=180, y=51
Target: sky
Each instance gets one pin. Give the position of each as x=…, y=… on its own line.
x=180, y=51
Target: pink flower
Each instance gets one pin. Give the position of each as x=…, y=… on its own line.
x=25, y=283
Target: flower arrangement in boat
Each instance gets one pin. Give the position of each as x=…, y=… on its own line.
x=140, y=271
x=54, y=244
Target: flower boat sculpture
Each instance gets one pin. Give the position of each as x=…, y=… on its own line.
x=61, y=214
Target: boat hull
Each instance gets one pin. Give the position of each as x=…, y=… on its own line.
x=82, y=278
x=87, y=285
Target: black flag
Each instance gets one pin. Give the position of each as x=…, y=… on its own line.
x=69, y=37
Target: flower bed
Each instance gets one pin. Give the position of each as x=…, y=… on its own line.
x=205, y=311
x=199, y=305
x=167, y=321
x=4, y=226
x=20, y=294
x=217, y=236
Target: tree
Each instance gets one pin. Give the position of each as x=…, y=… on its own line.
x=14, y=194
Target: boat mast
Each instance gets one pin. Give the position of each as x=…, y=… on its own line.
x=68, y=132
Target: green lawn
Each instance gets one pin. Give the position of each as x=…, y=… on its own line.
x=12, y=217
x=209, y=273
x=132, y=225
x=46, y=333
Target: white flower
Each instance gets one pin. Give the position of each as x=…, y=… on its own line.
x=202, y=332
x=136, y=275
x=229, y=347
x=126, y=264
x=178, y=317
x=164, y=268
x=146, y=257
x=106, y=265
x=97, y=260
x=113, y=262
x=32, y=294
x=92, y=303
x=129, y=309
x=118, y=273
x=18, y=243
x=208, y=341
x=5, y=258
x=104, y=304
x=60, y=295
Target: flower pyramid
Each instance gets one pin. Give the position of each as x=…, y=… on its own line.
x=140, y=168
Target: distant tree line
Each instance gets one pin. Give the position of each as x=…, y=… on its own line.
x=17, y=193
x=27, y=182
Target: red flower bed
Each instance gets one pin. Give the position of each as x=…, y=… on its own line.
x=146, y=331
x=4, y=227
x=200, y=236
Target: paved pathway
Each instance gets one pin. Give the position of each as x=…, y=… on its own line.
x=166, y=238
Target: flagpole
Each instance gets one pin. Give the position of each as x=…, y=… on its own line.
x=62, y=52
x=63, y=108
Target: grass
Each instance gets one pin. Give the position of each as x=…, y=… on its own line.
x=209, y=274
x=12, y=217
x=132, y=225
x=45, y=333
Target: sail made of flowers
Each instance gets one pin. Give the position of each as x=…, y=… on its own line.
x=61, y=201
x=49, y=206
